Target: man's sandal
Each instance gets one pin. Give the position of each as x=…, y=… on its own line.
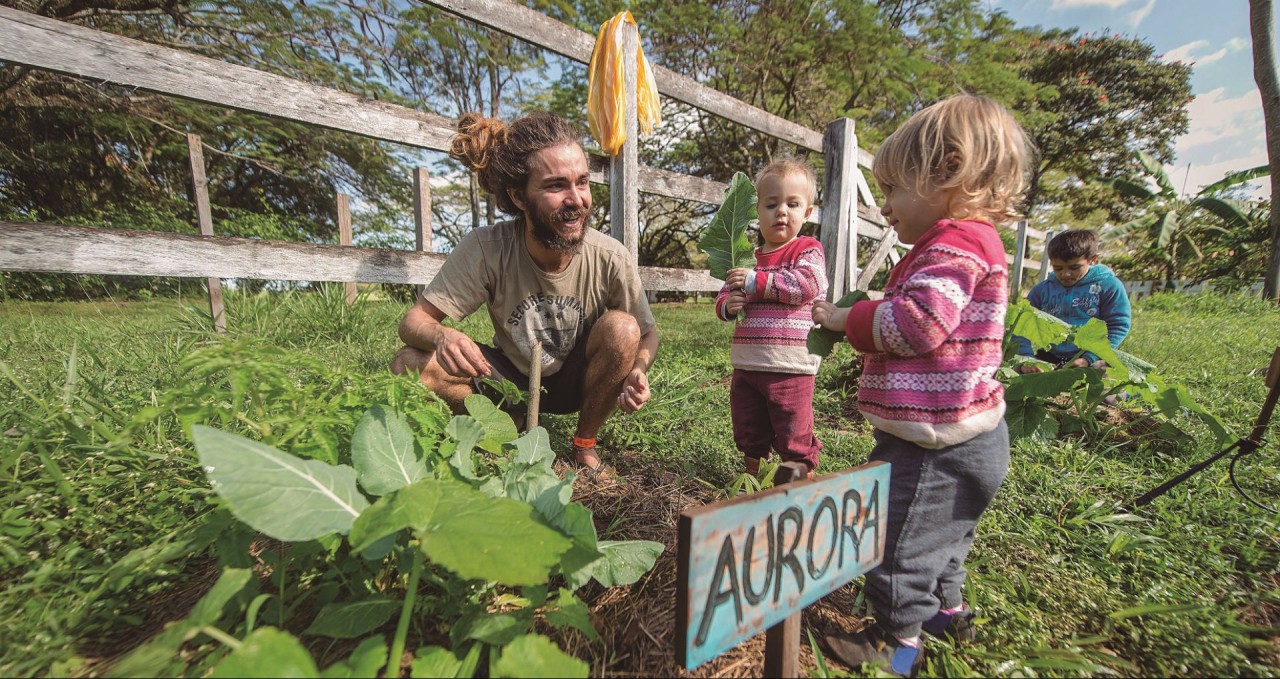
x=584, y=453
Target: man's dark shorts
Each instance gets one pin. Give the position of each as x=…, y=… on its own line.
x=562, y=392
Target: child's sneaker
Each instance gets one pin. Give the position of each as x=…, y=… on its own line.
x=873, y=646
x=958, y=626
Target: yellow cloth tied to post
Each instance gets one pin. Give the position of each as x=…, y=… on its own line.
x=607, y=93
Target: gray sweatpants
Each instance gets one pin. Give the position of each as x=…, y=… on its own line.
x=935, y=500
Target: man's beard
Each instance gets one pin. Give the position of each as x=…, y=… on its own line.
x=549, y=238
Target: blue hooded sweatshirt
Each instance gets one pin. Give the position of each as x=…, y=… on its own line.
x=1098, y=294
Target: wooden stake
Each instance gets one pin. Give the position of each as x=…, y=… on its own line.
x=344, y=237
x=204, y=215
x=422, y=213
x=535, y=384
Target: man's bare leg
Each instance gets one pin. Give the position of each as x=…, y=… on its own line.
x=454, y=390
x=611, y=353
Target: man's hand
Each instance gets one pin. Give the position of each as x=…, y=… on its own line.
x=459, y=355
x=734, y=302
x=1029, y=369
x=635, y=391
x=829, y=316
x=736, y=279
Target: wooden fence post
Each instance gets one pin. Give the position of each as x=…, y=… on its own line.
x=624, y=168
x=422, y=213
x=344, y=237
x=839, y=233
x=1045, y=267
x=204, y=215
x=1019, y=253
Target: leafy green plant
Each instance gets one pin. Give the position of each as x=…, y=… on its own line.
x=725, y=238
x=1032, y=411
x=822, y=341
x=468, y=507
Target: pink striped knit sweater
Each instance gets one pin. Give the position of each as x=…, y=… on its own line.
x=933, y=343
x=773, y=333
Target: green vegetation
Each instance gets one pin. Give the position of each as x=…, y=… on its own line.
x=110, y=528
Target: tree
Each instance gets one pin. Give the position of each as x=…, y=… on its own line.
x=1262, y=30
x=1170, y=220
x=1097, y=100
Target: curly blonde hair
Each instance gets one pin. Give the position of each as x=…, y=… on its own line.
x=499, y=153
x=968, y=143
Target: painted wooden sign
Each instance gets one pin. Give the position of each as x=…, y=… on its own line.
x=748, y=563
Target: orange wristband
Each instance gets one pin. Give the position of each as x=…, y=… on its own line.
x=584, y=443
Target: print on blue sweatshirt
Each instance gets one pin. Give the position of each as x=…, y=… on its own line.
x=1098, y=294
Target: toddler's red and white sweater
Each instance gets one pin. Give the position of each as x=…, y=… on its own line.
x=933, y=344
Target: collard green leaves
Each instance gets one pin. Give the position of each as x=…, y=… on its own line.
x=382, y=452
x=276, y=493
x=822, y=341
x=725, y=238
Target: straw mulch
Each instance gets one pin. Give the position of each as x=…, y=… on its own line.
x=637, y=622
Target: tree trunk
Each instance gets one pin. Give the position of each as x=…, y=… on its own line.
x=1262, y=29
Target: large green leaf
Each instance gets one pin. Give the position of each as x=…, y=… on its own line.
x=365, y=661
x=466, y=431
x=275, y=493
x=268, y=652
x=497, y=424
x=1167, y=228
x=156, y=657
x=534, y=655
x=822, y=341
x=494, y=629
x=1236, y=178
x=1043, y=385
x=382, y=452
x=1030, y=419
x=725, y=238
x=475, y=536
x=353, y=619
x=1156, y=170
x=570, y=611
x=624, y=561
x=1043, y=330
x=534, y=448
x=434, y=661
x=1092, y=337
x=1129, y=188
x=1233, y=212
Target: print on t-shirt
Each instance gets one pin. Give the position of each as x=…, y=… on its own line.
x=555, y=320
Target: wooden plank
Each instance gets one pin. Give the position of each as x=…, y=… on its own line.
x=782, y=648
x=839, y=204
x=88, y=250
x=344, y=237
x=624, y=169
x=532, y=26
x=1044, y=261
x=76, y=50
x=204, y=216
x=746, y=564
x=878, y=257
x=1019, y=256
x=422, y=213
x=121, y=252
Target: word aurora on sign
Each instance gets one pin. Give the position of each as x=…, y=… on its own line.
x=748, y=563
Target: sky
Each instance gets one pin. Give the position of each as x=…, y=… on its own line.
x=1226, y=130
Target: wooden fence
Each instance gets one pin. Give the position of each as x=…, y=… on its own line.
x=847, y=210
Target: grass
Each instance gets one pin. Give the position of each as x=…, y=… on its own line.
x=100, y=490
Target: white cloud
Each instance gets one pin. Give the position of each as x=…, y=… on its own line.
x=1194, y=51
x=1077, y=4
x=1136, y=17
x=1225, y=134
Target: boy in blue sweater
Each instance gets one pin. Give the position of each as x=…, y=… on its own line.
x=1079, y=289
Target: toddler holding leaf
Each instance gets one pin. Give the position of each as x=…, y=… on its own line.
x=932, y=346
x=771, y=393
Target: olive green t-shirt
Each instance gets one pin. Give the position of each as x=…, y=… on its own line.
x=492, y=266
